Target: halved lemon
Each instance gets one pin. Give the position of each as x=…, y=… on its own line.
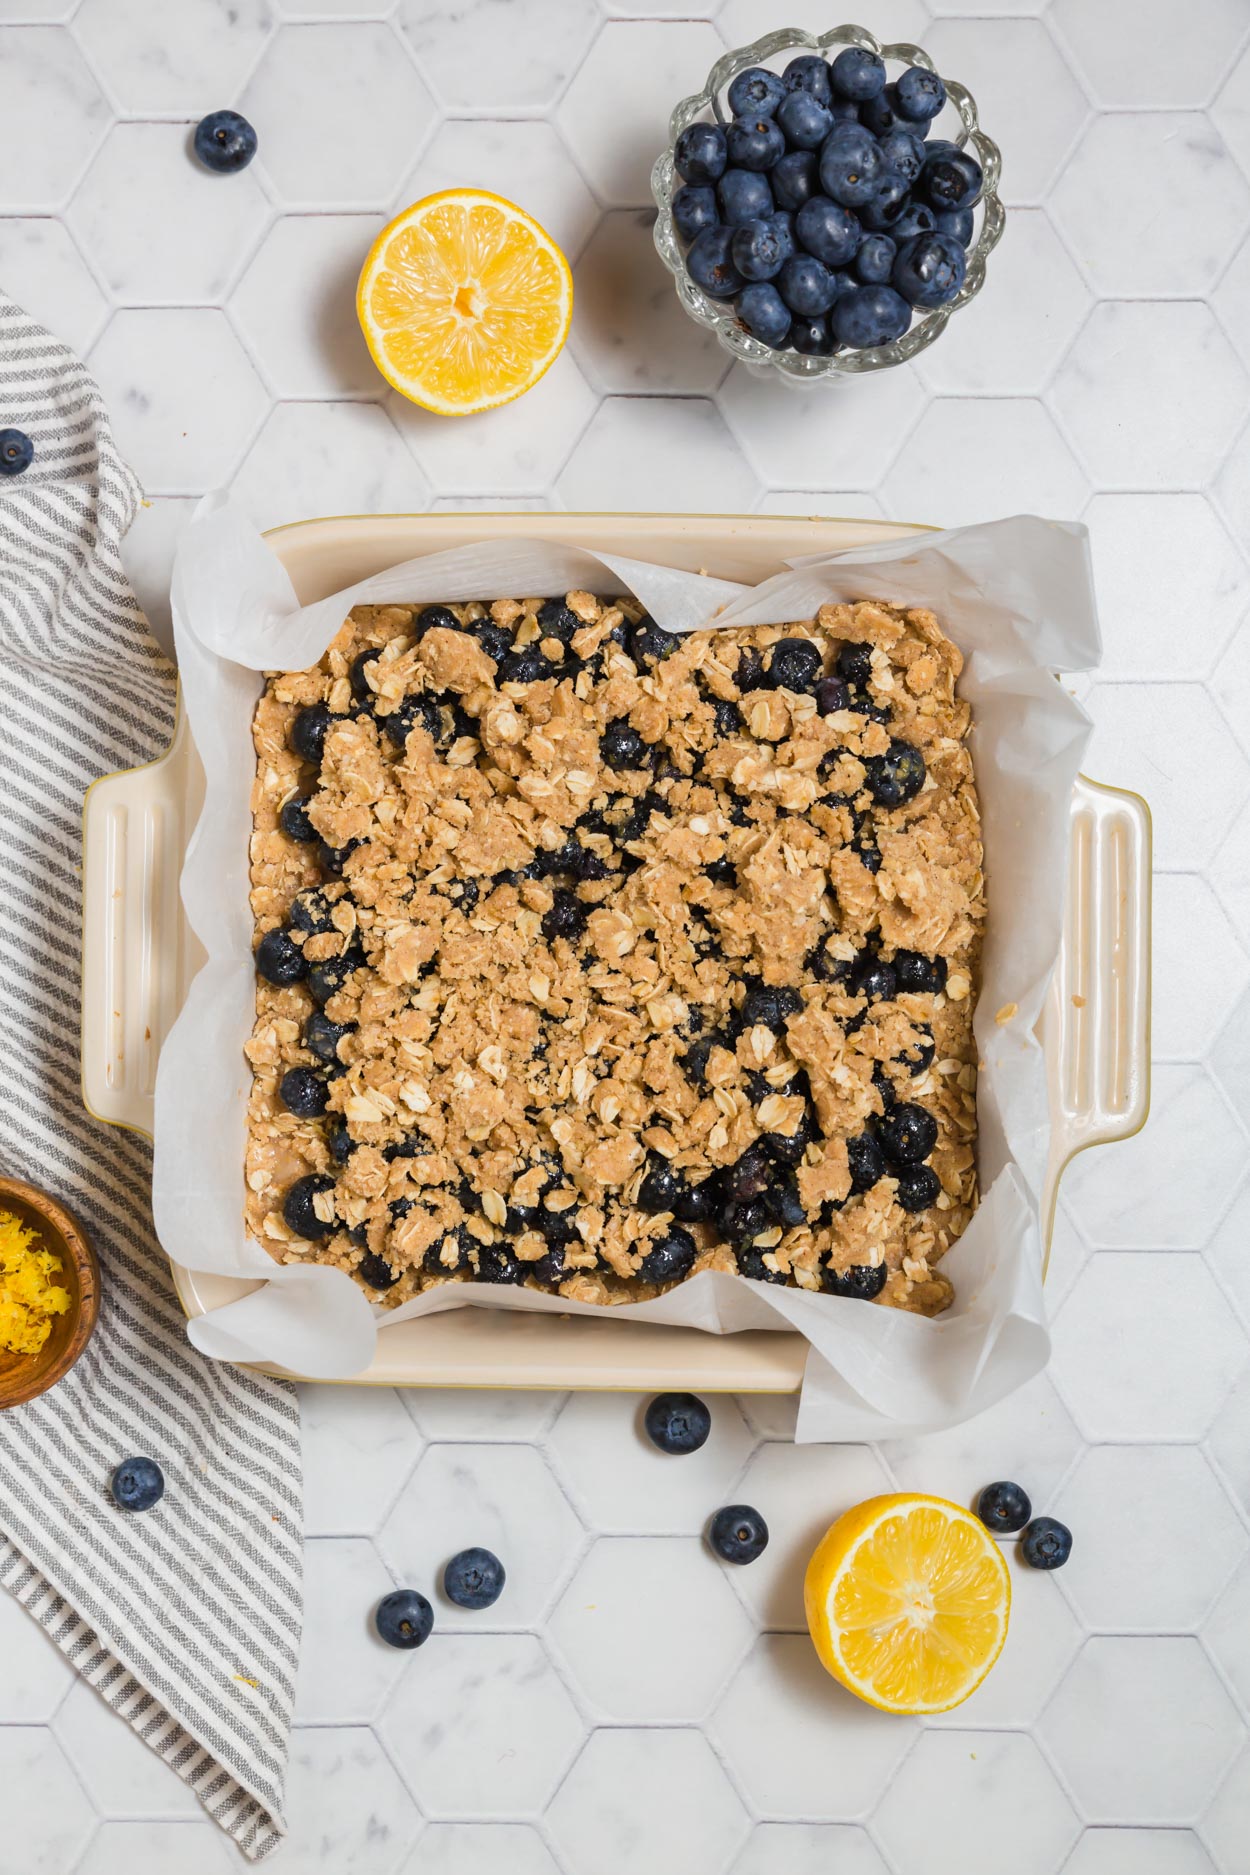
x=907, y=1602
x=464, y=300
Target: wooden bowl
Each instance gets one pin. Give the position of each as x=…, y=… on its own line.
x=22, y=1376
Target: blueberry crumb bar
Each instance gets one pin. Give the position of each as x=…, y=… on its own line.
x=589, y=957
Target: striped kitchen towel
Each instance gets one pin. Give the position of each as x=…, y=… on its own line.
x=185, y=1618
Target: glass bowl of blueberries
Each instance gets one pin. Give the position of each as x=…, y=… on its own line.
x=826, y=203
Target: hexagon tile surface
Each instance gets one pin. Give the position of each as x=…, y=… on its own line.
x=631, y=1705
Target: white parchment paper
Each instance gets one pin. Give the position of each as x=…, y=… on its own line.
x=1016, y=595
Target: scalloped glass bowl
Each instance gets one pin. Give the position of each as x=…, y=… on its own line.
x=958, y=122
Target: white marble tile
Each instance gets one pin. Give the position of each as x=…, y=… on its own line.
x=1028, y=1437
x=345, y=1670
x=630, y=330
x=183, y=396
x=741, y=21
x=1042, y=1640
x=1226, y=1826
x=36, y=1675
x=480, y=1849
x=515, y=450
x=808, y=1849
x=318, y=76
x=615, y=112
x=1232, y=490
x=348, y=1812
x=481, y=1412
x=45, y=273
x=1131, y=54
x=54, y=112
x=839, y=504
x=1181, y=1024
x=649, y=1629
x=990, y=57
x=1010, y=338
x=962, y=1795
x=1150, y=394
x=492, y=504
x=151, y=1848
x=1069, y=1254
x=1231, y=300
x=1231, y=110
x=674, y=455
x=1230, y=683
x=148, y=557
x=312, y=459
x=195, y=63
x=482, y=1726
x=522, y=159
x=296, y=307
x=35, y=12
x=841, y=434
x=123, y=1775
x=336, y=9
x=1226, y=1635
x=1229, y=1439
x=1105, y=1580
x=501, y=1498
x=799, y=1490
x=146, y=177
x=1125, y=204
x=644, y=1489
x=799, y=1744
x=1132, y=1317
x=1139, y=1852
x=1146, y=549
x=47, y=1817
x=1230, y=872
x=1112, y=1729
x=770, y=1415
x=1011, y=460
x=647, y=1803
x=1145, y=736
x=508, y=54
x=359, y=1445
x=1228, y=1252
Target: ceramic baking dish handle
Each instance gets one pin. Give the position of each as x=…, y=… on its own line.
x=138, y=954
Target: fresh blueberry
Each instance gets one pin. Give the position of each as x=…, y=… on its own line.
x=857, y=73
x=224, y=141
x=1004, y=1508
x=908, y=1135
x=851, y=166
x=738, y=1533
x=670, y=1258
x=795, y=662
x=308, y=731
x=805, y=121
x=137, y=1484
x=759, y=248
x=297, y=1208
x=377, y=1272
x=811, y=336
x=874, y=259
x=919, y=974
x=957, y=223
x=677, y=1422
x=898, y=775
x=919, y=94
x=866, y=1161
x=951, y=178
x=474, y=1578
x=303, y=1093
x=699, y=154
x=862, y=1282
x=17, y=452
x=710, y=263
x=916, y=218
x=754, y=143
x=807, y=286
x=694, y=209
x=744, y=195
x=403, y=1618
x=888, y=205
x=808, y=73
x=930, y=270
x=828, y=231
x=278, y=960
x=873, y=978
x=903, y=151
x=322, y=1037
x=566, y=919
x=870, y=315
x=764, y=313
x=756, y=92
x=1046, y=1543
x=794, y=179
x=294, y=820
x=918, y=1187
x=649, y=643
x=880, y=114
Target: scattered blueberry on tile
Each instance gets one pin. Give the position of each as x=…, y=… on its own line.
x=1004, y=1507
x=224, y=141
x=1046, y=1543
x=738, y=1533
x=403, y=1618
x=677, y=1422
x=474, y=1578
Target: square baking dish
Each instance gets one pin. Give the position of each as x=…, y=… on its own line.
x=139, y=957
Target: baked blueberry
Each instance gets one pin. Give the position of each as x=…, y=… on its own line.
x=1046, y=1543
x=377, y=1272
x=677, y=1422
x=649, y=643
x=957, y=223
x=137, y=1484
x=929, y=270
x=278, y=960
x=738, y=1533
x=303, y=1093
x=851, y=166
x=332, y=859
x=523, y=667
x=884, y=1086
x=862, y=1282
x=751, y=1264
x=808, y=72
x=557, y=620
x=874, y=978
x=832, y=695
x=728, y=717
x=919, y=974
x=660, y=1189
x=297, y=1208
x=435, y=618
x=804, y=120
x=875, y=259
x=904, y=151
x=17, y=452
x=764, y=313
x=794, y=180
x=670, y=1258
x=788, y=1148
x=357, y=674
x=918, y=1058
x=867, y=852
x=749, y=1176
x=744, y=195
x=754, y=142
x=813, y=336
x=866, y=1161
x=756, y=92
x=750, y=672
x=498, y=1263
x=828, y=230
x=548, y=1269
x=1004, y=1508
x=919, y=94
x=908, y=1134
x=869, y=316
x=694, y=1061
x=697, y=1204
x=621, y=746
x=326, y=979
x=918, y=1187
x=897, y=776
x=722, y=872
x=224, y=141
x=826, y=968
x=494, y=639
x=417, y=711
x=855, y=665
x=403, y=1618
x=794, y=664
x=566, y=919
x=308, y=730
x=888, y=205
x=294, y=821
x=474, y=1578
x=769, y=1005
x=450, y=1254
x=857, y=73
x=322, y=1037
x=782, y=1202
x=341, y=1144
x=759, y=248
x=694, y=209
x=699, y=154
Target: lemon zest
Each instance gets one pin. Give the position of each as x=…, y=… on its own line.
x=29, y=1298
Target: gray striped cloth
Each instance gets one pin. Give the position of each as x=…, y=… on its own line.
x=185, y=1618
